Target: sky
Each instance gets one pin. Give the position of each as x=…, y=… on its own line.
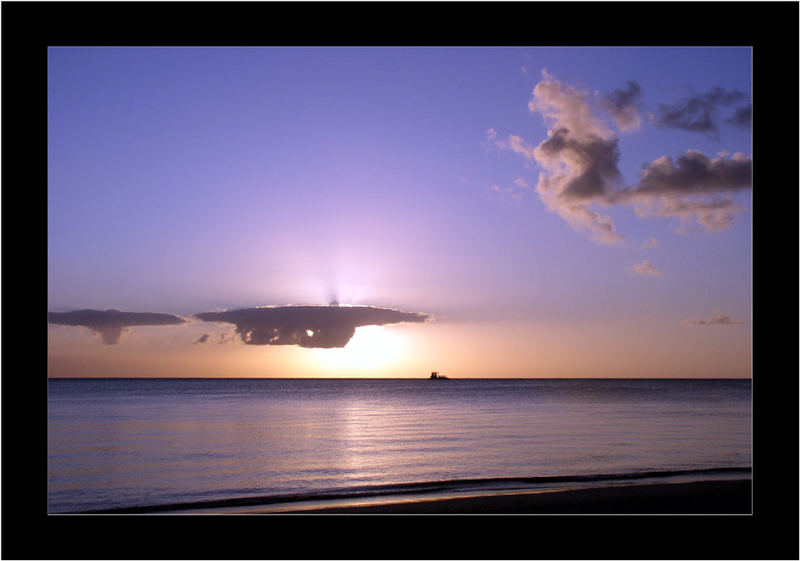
x=385, y=212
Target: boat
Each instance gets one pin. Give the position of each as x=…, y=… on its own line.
x=437, y=376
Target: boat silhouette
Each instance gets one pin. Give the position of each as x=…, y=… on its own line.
x=437, y=376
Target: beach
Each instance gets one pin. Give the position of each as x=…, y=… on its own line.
x=703, y=497
x=697, y=497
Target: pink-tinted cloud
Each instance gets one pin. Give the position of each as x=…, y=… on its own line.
x=512, y=143
x=650, y=244
x=580, y=175
x=645, y=268
x=514, y=192
x=579, y=159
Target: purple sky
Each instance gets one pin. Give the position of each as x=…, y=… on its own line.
x=551, y=211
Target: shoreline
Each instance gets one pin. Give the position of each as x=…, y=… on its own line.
x=697, y=497
x=478, y=495
x=713, y=496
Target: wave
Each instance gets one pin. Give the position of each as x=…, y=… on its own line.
x=439, y=488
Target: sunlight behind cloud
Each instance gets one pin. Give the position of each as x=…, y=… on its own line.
x=371, y=348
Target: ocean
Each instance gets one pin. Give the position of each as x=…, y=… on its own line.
x=169, y=444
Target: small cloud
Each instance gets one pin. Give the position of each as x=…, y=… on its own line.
x=306, y=326
x=719, y=319
x=699, y=112
x=645, y=268
x=227, y=338
x=650, y=244
x=203, y=338
x=513, y=193
x=624, y=106
x=111, y=323
x=491, y=139
x=513, y=143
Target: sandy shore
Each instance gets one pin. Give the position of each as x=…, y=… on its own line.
x=706, y=497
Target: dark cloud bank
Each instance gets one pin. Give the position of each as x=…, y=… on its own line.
x=111, y=323
x=306, y=326
x=699, y=112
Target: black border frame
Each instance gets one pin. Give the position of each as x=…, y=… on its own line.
x=28, y=28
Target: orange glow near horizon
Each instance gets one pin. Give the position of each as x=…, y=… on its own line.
x=488, y=349
x=371, y=347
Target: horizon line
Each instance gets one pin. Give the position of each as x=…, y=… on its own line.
x=392, y=378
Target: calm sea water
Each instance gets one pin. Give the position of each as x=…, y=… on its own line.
x=121, y=442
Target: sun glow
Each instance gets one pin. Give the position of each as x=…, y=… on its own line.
x=371, y=347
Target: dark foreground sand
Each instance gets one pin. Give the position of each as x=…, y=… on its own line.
x=706, y=497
